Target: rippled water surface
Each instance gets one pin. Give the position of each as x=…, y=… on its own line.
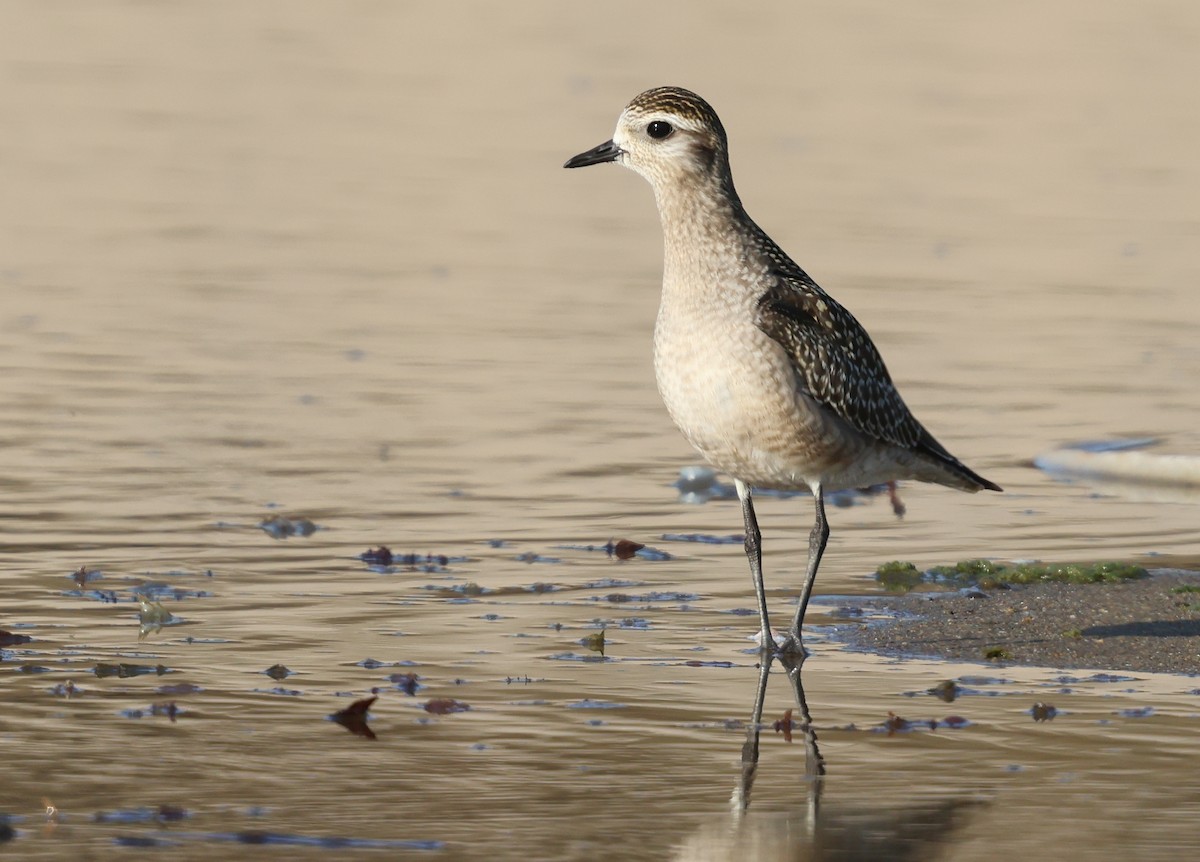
x=319, y=261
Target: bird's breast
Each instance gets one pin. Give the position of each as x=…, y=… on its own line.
x=733, y=393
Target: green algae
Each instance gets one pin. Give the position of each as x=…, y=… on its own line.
x=901, y=576
x=898, y=577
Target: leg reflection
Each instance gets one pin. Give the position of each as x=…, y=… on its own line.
x=820, y=827
x=814, y=762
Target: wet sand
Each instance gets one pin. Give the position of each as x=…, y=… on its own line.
x=1148, y=625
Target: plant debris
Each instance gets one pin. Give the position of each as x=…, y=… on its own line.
x=281, y=527
x=595, y=642
x=623, y=549
x=445, y=706
x=899, y=576
x=10, y=639
x=354, y=717
x=406, y=682
x=125, y=670
x=1043, y=712
x=947, y=691
x=785, y=725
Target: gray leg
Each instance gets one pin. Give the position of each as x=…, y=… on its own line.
x=754, y=555
x=817, y=540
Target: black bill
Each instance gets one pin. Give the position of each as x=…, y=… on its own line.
x=606, y=152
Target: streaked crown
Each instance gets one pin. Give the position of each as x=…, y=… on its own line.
x=680, y=104
x=668, y=134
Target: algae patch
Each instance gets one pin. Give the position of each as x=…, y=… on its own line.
x=898, y=576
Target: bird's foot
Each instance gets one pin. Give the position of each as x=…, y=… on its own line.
x=792, y=648
x=766, y=641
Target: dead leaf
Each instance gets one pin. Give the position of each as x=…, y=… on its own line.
x=895, y=723
x=784, y=725
x=623, y=549
x=354, y=717
x=381, y=556
x=595, y=642
x=445, y=706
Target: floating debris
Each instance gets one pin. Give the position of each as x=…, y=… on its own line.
x=354, y=717
x=445, y=706
x=384, y=560
x=161, y=814
x=153, y=616
x=620, y=598
x=588, y=703
x=595, y=642
x=381, y=556
x=125, y=670
x=10, y=639
x=281, y=527
x=323, y=842
x=609, y=583
x=161, y=590
x=82, y=576
x=170, y=710
x=406, y=682
x=372, y=663
x=572, y=656
x=947, y=691
x=278, y=672
x=785, y=726
x=180, y=688
x=1043, y=711
x=531, y=557
x=623, y=549
x=894, y=723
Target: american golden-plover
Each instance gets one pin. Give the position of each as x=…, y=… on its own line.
x=765, y=374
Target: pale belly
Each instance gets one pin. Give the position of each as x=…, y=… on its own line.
x=734, y=396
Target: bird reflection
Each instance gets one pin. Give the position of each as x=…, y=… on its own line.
x=808, y=828
x=814, y=762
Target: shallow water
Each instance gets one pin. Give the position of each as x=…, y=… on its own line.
x=292, y=259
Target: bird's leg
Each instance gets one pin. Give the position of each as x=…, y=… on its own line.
x=754, y=555
x=817, y=540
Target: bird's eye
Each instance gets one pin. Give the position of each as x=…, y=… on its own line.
x=659, y=129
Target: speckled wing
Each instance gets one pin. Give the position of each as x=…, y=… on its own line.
x=836, y=363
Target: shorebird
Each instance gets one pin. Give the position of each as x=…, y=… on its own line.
x=766, y=375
